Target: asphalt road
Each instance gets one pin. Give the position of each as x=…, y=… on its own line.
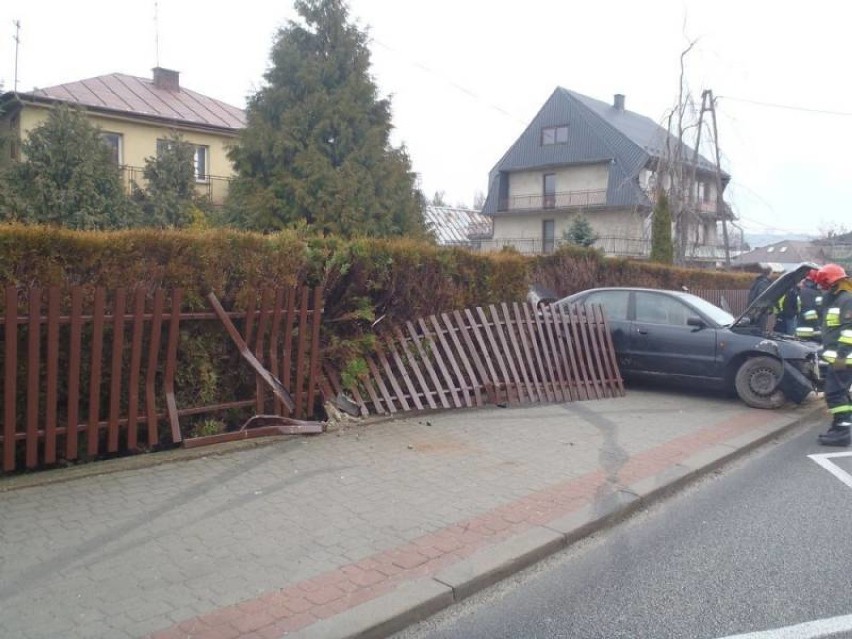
x=759, y=547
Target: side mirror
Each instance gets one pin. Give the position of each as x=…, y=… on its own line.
x=696, y=321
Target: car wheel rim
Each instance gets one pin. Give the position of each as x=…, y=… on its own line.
x=763, y=381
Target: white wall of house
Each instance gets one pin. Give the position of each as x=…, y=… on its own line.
x=622, y=223
x=591, y=177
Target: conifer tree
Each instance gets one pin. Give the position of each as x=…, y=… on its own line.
x=581, y=232
x=168, y=197
x=662, y=249
x=67, y=177
x=316, y=149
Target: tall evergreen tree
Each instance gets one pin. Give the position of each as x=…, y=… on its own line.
x=66, y=178
x=168, y=198
x=316, y=149
x=662, y=249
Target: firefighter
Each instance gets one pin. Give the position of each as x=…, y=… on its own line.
x=787, y=311
x=837, y=351
x=810, y=308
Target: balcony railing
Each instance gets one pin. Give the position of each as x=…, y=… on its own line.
x=212, y=187
x=565, y=200
x=610, y=246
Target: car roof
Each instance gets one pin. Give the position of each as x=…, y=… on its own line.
x=631, y=288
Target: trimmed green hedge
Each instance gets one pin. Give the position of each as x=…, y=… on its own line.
x=364, y=279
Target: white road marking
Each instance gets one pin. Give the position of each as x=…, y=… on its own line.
x=821, y=628
x=809, y=630
x=834, y=469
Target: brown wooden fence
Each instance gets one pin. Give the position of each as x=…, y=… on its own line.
x=89, y=372
x=489, y=355
x=734, y=300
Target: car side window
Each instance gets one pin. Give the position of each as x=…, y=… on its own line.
x=660, y=309
x=614, y=303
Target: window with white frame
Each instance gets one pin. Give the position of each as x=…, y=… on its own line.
x=200, y=158
x=200, y=162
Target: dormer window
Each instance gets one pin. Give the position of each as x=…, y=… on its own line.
x=554, y=135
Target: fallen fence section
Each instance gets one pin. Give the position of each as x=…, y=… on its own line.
x=259, y=426
x=495, y=355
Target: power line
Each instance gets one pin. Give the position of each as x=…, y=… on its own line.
x=449, y=81
x=788, y=107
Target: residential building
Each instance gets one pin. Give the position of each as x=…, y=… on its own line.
x=455, y=226
x=137, y=116
x=582, y=156
x=838, y=249
x=784, y=256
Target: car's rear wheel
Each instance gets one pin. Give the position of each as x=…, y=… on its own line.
x=757, y=380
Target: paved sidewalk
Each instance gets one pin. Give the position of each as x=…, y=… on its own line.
x=354, y=533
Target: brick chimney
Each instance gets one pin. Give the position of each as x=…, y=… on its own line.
x=166, y=79
x=618, y=101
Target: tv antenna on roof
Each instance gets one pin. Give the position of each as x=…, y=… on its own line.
x=17, y=24
x=157, y=32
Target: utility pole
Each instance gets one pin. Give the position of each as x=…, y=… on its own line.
x=17, y=24
x=708, y=103
x=720, y=204
x=691, y=185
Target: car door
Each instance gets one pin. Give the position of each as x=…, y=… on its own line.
x=615, y=305
x=663, y=343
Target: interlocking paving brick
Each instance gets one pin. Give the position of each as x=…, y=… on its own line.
x=222, y=545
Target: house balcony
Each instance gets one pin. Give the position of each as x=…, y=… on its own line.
x=213, y=188
x=611, y=246
x=555, y=201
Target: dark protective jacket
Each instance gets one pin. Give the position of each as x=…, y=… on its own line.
x=758, y=286
x=810, y=303
x=788, y=306
x=837, y=325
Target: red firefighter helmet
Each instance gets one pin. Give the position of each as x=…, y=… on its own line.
x=829, y=274
x=812, y=275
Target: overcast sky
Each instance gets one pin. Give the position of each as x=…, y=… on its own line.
x=466, y=76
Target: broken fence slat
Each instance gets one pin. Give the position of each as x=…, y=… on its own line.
x=514, y=353
x=276, y=386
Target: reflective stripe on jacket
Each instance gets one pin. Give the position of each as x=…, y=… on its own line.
x=837, y=324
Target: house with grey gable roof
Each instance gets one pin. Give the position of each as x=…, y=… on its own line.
x=582, y=156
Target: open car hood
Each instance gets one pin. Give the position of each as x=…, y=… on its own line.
x=765, y=302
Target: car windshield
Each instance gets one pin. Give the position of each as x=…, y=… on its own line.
x=721, y=317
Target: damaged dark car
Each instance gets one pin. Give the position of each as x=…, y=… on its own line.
x=681, y=338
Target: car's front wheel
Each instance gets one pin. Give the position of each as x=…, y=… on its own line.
x=757, y=380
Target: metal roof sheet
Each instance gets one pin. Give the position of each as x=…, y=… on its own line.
x=123, y=93
x=638, y=129
x=452, y=225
